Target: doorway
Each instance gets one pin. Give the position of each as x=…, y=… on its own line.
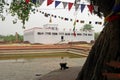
x=62, y=38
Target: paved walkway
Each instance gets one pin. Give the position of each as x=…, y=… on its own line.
x=68, y=74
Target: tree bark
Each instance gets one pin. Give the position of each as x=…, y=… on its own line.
x=105, y=49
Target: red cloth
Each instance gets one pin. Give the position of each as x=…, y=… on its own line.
x=113, y=17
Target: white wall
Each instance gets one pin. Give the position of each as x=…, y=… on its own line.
x=33, y=36
x=29, y=36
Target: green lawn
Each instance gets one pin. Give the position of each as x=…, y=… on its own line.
x=39, y=55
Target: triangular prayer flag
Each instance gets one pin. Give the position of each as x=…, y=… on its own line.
x=64, y=4
x=34, y=1
x=46, y=15
x=116, y=8
x=99, y=23
x=37, y=10
x=42, y=12
x=37, y=2
x=49, y=2
x=77, y=20
x=27, y=1
x=90, y=22
x=71, y=19
x=57, y=3
x=52, y=15
x=90, y=7
x=96, y=8
x=41, y=2
x=77, y=1
x=55, y=16
x=61, y=17
x=70, y=6
x=50, y=21
x=82, y=7
x=96, y=22
x=82, y=21
x=14, y=21
x=76, y=6
x=66, y=19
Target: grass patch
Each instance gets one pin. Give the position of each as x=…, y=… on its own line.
x=39, y=55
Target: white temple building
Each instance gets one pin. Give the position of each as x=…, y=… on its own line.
x=52, y=35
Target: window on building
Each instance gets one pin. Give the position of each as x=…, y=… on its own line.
x=84, y=34
x=67, y=33
x=48, y=33
x=79, y=34
x=61, y=33
x=89, y=34
x=54, y=33
x=40, y=33
x=62, y=38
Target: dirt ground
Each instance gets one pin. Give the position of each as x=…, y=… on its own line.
x=84, y=47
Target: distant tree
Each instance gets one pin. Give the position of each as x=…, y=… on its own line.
x=9, y=38
x=20, y=38
x=87, y=27
x=12, y=38
x=1, y=36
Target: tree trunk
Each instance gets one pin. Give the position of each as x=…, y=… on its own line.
x=105, y=49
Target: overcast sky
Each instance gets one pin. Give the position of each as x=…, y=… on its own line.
x=38, y=20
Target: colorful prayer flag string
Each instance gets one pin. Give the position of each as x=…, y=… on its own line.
x=115, y=13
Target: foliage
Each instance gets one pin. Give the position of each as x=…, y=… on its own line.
x=1, y=36
x=1, y=9
x=11, y=38
x=20, y=38
x=21, y=9
x=87, y=27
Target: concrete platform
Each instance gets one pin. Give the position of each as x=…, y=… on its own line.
x=68, y=74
